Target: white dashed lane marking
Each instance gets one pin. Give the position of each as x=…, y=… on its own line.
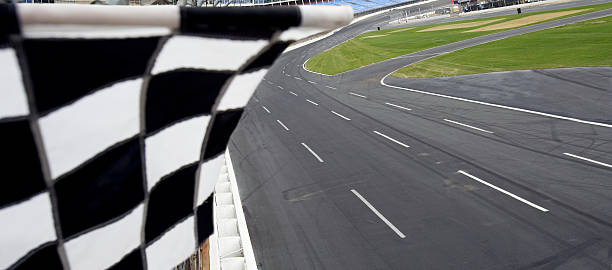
x=314, y=103
x=283, y=125
x=357, y=95
x=589, y=160
x=266, y=109
x=391, y=139
x=312, y=152
x=398, y=106
x=344, y=117
x=385, y=220
x=468, y=126
x=504, y=191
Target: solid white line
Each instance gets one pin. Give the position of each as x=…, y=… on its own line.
x=281, y=123
x=465, y=125
x=398, y=106
x=312, y=152
x=293, y=93
x=385, y=220
x=330, y=87
x=280, y=87
x=297, y=78
x=304, y=66
x=312, y=102
x=589, y=160
x=382, y=81
x=418, y=55
x=391, y=139
x=345, y=118
x=264, y=107
x=312, y=82
x=358, y=95
x=504, y=191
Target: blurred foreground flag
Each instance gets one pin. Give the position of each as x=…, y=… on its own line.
x=110, y=119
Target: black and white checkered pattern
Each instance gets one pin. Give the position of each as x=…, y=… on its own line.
x=112, y=138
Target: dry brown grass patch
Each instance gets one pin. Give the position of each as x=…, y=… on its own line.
x=374, y=36
x=459, y=25
x=526, y=20
x=401, y=30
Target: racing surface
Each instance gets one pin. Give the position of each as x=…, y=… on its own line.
x=341, y=172
x=567, y=90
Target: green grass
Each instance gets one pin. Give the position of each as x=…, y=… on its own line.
x=359, y=52
x=582, y=44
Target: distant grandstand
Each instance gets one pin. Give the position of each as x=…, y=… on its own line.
x=359, y=6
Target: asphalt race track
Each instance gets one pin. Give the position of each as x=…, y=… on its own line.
x=342, y=172
x=569, y=89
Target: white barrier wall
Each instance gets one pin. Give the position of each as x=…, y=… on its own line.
x=230, y=244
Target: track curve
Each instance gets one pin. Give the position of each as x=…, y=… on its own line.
x=444, y=173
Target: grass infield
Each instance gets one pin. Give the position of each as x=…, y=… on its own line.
x=582, y=44
x=381, y=45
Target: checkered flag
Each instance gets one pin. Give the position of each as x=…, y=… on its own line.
x=113, y=120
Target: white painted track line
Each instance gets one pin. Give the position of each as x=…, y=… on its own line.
x=312, y=152
x=314, y=103
x=264, y=107
x=280, y=87
x=383, y=218
x=330, y=87
x=297, y=78
x=589, y=160
x=382, y=81
x=344, y=117
x=391, y=139
x=466, y=125
x=312, y=82
x=418, y=55
x=256, y=100
x=398, y=106
x=281, y=123
x=504, y=191
x=293, y=93
x=357, y=95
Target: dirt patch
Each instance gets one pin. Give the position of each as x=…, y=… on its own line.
x=401, y=30
x=459, y=25
x=374, y=36
x=526, y=20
